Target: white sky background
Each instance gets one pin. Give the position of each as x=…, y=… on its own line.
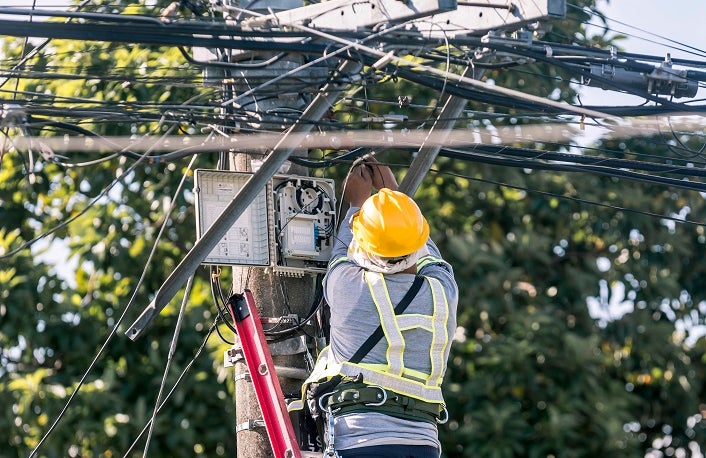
x=678, y=20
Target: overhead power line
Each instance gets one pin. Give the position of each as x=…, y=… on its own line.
x=348, y=139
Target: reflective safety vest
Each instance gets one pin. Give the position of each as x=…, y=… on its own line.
x=393, y=375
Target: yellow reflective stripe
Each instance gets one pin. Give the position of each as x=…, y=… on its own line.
x=393, y=326
x=426, y=260
x=398, y=384
x=418, y=375
x=337, y=261
x=440, y=337
x=415, y=320
x=388, y=320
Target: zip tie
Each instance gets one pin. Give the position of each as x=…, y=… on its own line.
x=250, y=424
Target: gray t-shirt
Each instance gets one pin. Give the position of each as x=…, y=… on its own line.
x=354, y=318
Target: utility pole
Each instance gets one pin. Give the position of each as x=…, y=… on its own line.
x=279, y=296
x=270, y=290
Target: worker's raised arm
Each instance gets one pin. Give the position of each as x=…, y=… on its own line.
x=358, y=186
x=382, y=175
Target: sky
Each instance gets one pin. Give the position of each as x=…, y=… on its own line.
x=650, y=25
x=679, y=20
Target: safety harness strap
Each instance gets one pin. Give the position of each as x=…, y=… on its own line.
x=359, y=397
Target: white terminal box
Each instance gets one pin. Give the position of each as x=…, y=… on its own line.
x=289, y=226
x=247, y=241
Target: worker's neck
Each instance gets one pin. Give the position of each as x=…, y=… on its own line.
x=410, y=270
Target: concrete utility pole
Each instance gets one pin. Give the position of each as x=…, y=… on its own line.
x=270, y=290
x=274, y=294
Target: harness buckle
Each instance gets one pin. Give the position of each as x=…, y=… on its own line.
x=382, y=396
x=446, y=415
x=322, y=403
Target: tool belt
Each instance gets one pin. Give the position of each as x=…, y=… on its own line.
x=358, y=398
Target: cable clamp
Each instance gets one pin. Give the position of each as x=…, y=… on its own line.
x=249, y=425
x=243, y=376
x=291, y=346
x=232, y=356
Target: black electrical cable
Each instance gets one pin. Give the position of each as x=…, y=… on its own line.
x=178, y=33
x=513, y=103
x=526, y=153
x=456, y=89
x=114, y=330
x=617, y=163
x=682, y=146
x=496, y=100
x=600, y=170
x=219, y=301
x=186, y=369
x=127, y=76
x=568, y=158
x=574, y=199
x=317, y=302
x=116, y=18
x=33, y=122
x=587, y=74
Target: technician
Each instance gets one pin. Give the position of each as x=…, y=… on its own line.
x=386, y=279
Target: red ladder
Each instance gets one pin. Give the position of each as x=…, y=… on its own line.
x=262, y=373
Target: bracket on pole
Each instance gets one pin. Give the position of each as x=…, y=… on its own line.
x=250, y=424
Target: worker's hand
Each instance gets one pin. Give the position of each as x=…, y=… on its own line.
x=358, y=185
x=382, y=175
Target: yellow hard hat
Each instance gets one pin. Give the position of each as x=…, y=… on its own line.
x=390, y=224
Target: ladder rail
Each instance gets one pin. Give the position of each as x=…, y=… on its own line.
x=262, y=373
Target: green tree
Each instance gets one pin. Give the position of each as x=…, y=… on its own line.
x=532, y=372
x=53, y=320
